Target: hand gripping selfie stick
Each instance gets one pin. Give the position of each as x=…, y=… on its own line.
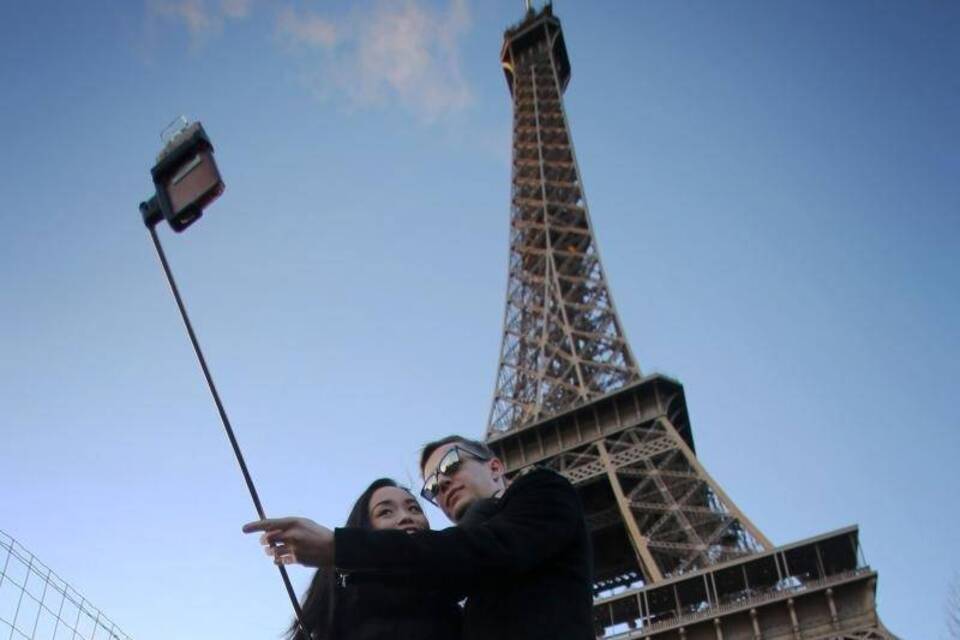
x=187, y=180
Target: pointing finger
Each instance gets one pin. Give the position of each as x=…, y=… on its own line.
x=268, y=523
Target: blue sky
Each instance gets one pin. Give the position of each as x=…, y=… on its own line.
x=774, y=189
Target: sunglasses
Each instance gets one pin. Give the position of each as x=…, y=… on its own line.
x=449, y=464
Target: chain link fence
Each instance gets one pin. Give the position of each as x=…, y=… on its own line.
x=36, y=604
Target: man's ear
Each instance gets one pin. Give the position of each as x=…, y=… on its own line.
x=496, y=468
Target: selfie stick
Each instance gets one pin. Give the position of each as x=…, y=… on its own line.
x=187, y=180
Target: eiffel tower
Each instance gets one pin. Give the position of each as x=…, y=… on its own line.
x=675, y=558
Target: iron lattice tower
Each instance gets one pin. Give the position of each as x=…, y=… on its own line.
x=674, y=557
x=563, y=345
x=562, y=340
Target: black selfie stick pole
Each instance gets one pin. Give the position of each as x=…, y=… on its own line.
x=147, y=209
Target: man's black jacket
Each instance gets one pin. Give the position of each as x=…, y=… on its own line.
x=525, y=570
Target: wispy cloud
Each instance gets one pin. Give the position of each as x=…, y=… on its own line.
x=404, y=53
x=399, y=51
x=236, y=8
x=201, y=17
x=307, y=30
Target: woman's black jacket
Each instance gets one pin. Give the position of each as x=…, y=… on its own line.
x=373, y=611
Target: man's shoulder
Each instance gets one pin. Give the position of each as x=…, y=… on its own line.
x=535, y=477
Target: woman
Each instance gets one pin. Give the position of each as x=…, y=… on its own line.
x=370, y=610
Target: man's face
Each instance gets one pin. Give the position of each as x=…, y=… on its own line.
x=473, y=480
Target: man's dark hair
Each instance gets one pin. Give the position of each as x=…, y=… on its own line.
x=474, y=446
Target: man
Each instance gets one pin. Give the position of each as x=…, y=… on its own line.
x=521, y=554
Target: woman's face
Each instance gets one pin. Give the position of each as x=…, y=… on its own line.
x=395, y=508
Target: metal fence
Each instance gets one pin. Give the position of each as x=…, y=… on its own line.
x=36, y=604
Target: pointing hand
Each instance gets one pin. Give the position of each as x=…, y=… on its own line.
x=295, y=540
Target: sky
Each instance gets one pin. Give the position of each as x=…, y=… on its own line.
x=773, y=187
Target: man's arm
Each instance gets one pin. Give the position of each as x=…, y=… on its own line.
x=533, y=525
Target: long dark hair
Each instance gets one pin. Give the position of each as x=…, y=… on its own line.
x=320, y=602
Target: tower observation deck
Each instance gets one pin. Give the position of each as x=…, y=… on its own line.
x=674, y=557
